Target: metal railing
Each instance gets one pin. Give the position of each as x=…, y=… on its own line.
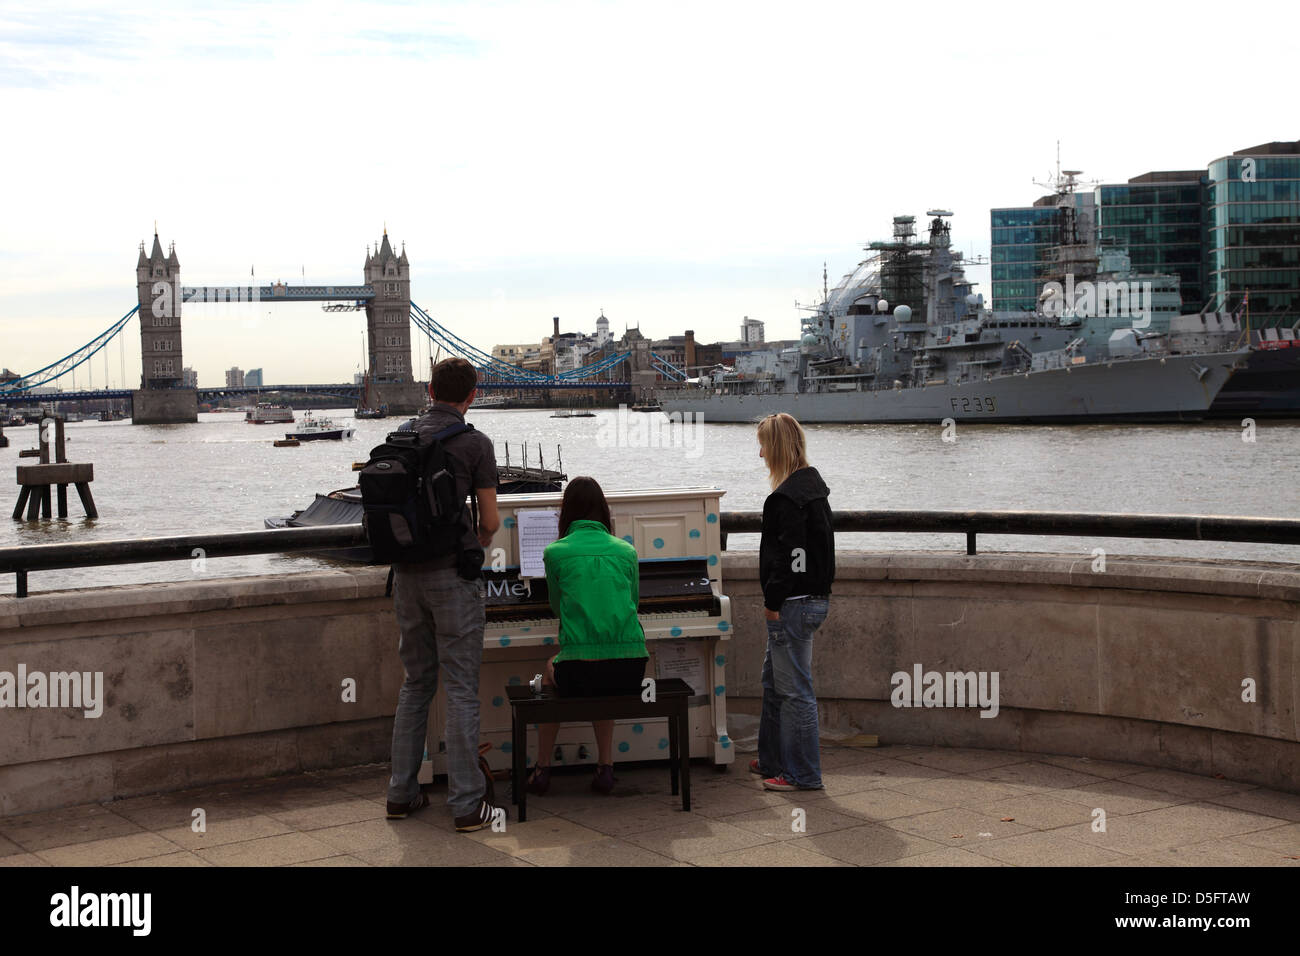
x=19, y=561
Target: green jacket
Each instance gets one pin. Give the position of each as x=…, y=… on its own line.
x=594, y=586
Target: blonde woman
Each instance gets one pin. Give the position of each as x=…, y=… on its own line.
x=796, y=568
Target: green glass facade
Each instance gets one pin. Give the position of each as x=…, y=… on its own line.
x=1253, y=234
x=1161, y=225
x=1234, y=228
x=1023, y=240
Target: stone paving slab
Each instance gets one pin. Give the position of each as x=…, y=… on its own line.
x=885, y=806
x=1050, y=848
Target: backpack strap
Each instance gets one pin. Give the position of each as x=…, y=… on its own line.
x=451, y=431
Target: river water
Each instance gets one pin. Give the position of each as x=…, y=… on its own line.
x=221, y=474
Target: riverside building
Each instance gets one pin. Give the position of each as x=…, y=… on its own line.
x=1230, y=228
x=1253, y=232
x=1024, y=243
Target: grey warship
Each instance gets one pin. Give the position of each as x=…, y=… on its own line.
x=859, y=361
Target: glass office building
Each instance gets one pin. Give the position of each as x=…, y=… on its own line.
x=1022, y=242
x=1023, y=253
x=1232, y=228
x=1253, y=232
x=1158, y=218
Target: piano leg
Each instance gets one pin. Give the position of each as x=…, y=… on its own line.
x=518, y=749
x=684, y=752
x=723, y=753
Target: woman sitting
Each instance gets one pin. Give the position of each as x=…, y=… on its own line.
x=594, y=585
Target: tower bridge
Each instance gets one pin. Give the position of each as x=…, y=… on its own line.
x=384, y=294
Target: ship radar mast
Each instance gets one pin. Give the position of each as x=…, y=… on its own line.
x=940, y=230
x=1069, y=254
x=1062, y=187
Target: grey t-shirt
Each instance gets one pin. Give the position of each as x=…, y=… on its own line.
x=473, y=464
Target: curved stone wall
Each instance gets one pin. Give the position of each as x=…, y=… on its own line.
x=1150, y=661
x=221, y=679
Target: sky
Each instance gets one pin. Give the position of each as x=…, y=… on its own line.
x=676, y=165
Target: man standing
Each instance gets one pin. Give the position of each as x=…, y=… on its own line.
x=439, y=608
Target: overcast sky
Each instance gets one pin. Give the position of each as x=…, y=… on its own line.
x=680, y=165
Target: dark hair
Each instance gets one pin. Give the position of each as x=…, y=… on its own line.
x=584, y=501
x=452, y=381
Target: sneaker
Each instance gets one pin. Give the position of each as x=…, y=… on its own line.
x=476, y=819
x=753, y=768
x=398, y=811
x=778, y=783
x=603, y=782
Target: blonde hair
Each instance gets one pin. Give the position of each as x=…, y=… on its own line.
x=784, y=447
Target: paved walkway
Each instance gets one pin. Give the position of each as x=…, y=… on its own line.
x=892, y=806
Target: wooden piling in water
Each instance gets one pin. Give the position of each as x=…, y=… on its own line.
x=37, y=481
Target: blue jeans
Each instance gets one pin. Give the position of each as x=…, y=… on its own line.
x=441, y=617
x=787, y=731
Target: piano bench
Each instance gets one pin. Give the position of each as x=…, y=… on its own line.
x=671, y=697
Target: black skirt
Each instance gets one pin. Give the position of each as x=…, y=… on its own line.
x=608, y=678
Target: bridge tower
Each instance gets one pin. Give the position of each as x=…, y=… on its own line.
x=388, y=315
x=160, y=398
x=388, y=328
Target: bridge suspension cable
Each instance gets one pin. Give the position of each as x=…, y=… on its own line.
x=458, y=346
x=69, y=362
x=661, y=364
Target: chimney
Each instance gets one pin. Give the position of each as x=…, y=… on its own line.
x=690, y=350
x=556, y=320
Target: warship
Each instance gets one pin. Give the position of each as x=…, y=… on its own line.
x=860, y=361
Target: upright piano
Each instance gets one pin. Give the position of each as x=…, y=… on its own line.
x=686, y=617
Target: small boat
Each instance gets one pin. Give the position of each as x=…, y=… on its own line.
x=267, y=414
x=319, y=429
x=647, y=407
x=572, y=413
x=286, y=443
x=343, y=507
x=365, y=408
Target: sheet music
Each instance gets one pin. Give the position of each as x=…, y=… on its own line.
x=676, y=659
x=538, y=527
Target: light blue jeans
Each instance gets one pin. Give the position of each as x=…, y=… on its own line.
x=441, y=617
x=788, y=741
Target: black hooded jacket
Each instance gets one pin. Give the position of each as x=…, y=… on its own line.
x=797, y=554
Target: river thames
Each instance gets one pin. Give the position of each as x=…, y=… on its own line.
x=221, y=474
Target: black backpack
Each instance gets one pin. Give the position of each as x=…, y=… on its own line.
x=410, y=508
